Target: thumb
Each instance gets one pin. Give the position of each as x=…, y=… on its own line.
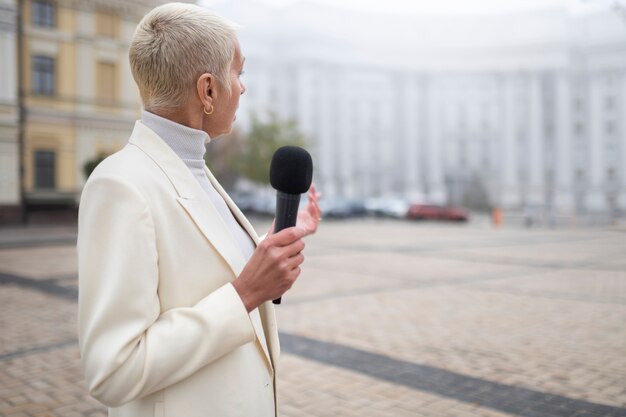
x=271, y=231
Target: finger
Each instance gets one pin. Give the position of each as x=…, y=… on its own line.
x=315, y=213
x=293, y=249
x=295, y=273
x=287, y=236
x=296, y=260
x=271, y=231
x=316, y=205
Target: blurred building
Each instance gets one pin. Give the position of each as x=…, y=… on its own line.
x=524, y=109
x=76, y=96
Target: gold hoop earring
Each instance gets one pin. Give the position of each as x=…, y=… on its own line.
x=208, y=113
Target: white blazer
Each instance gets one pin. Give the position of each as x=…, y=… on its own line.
x=162, y=331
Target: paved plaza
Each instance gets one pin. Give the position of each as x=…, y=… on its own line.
x=389, y=318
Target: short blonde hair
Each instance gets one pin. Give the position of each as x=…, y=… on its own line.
x=172, y=46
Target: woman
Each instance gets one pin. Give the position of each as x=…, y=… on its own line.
x=175, y=317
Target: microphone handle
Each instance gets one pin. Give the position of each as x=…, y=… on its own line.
x=286, y=215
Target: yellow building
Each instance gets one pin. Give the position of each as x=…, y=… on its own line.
x=77, y=92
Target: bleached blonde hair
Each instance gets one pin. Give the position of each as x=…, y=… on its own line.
x=172, y=46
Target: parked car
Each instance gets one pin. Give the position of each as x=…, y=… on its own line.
x=341, y=208
x=436, y=212
x=387, y=207
x=252, y=203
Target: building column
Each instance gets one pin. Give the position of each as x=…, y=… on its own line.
x=436, y=184
x=423, y=123
x=535, y=149
x=327, y=146
x=304, y=111
x=596, y=198
x=621, y=131
x=10, y=195
x=85, y=57
x=564, y=171
x=509, y=197
x=129, y=93
x=345, y=150
x=410, y=110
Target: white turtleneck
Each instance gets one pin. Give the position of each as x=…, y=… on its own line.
x=190, y=146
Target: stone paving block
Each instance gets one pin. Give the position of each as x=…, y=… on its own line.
x=374, y=400
x=51, y=261
x=590, y=285
x=506, y=318
x=60, y=399
x=487, y=313
x=32, y=319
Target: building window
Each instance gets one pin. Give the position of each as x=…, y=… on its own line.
x=579, y=128
x=44, y=169
x=106, y=24
x=43, y=75
x=548, y=129
x=578, y=104
x=43, y=13
x=107, y=82
x=580, y=176
x=580, y=202
x=549, y=176
x=609, y=127
x=610, y=174
x=522, y=175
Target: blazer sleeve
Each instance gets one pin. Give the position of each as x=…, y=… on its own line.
x=128, y=348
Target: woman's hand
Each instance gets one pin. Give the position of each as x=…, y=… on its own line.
x=275, y=264
x=309, y=217
x=272, y=269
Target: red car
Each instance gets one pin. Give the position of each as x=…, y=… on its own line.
x=434, y=212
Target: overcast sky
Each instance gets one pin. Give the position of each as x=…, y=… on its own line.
x=444, y=6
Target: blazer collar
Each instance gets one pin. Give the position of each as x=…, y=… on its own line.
x=192, y=197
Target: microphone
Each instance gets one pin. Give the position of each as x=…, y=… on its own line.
x=291, y=172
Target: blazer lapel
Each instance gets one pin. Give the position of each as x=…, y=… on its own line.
x=266, y=310
x=243, y=221
x=209, y=221
x=191, y=196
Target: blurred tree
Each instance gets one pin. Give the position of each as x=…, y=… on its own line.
x=253, y=162
x=222, y=155
x=92, y=163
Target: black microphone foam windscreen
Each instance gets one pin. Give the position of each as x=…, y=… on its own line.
x=291, y=170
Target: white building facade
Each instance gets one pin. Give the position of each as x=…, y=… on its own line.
x=528, y=108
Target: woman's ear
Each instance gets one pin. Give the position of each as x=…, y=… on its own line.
x=206, y=89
